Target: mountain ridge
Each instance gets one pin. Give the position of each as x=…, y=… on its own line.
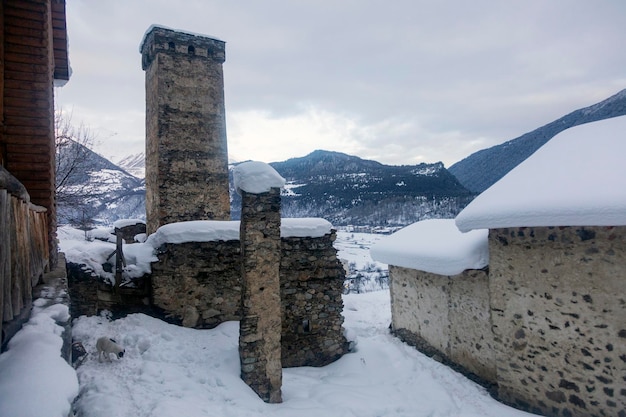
x=92, y=188
x=347, y=189
x=134, y=164
x=342, y=188
x=483, y=168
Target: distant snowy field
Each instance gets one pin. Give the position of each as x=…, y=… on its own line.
x=364, y=274
x=355, y=247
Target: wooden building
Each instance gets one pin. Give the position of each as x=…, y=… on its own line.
x=33, y=55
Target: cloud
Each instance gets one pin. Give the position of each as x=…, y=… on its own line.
x=257, y=135
x=400, y=82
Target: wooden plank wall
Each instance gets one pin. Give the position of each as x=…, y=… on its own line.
x=2, y=144
x=33, y=50
x=24, y=253
x=28, y=97
x=5, y=257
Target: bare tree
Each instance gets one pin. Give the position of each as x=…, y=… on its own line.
x=89, y=186
x=73, y=166
x=72, y=144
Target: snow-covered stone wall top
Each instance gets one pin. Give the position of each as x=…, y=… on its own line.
x=304, y=227
x=435, y=246
x=256, y=177
x=578, y=178
x=118, y=224
x=194, y=231
x=214, y=230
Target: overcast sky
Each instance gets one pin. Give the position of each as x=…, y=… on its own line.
x=397, y=81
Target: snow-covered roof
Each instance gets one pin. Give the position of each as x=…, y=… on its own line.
x=435, y=246
x=578, y=178
x=256, y=177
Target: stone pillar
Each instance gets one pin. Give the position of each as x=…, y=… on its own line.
x=186, y=149
x=260, y=326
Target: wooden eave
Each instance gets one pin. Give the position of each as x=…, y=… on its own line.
x=59, y=34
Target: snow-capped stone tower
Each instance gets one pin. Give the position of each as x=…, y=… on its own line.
x=186, y=149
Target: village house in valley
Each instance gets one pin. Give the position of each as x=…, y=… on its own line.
x=524, y=290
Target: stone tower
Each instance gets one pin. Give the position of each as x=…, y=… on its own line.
x=186, y=149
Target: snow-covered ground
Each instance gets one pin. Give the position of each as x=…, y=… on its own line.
x=171, y=371
x=35, y=381
x=354, y=247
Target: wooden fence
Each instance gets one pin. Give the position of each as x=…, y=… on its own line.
x=24, y=254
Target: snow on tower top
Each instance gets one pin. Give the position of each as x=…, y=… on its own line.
x=169, y=29
x=165, y=40
x=256, y=177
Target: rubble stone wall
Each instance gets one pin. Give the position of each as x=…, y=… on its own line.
x=445, y=316
x=260, y=325
x=199, y=285
x=83, y=290
x=546, y=324
x=559, y=318
x=312, y=280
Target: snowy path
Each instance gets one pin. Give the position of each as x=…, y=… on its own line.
x=170, y=371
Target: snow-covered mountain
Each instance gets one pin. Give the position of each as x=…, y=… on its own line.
x=134, y=164
x=342, y=188
x=92, y=189
x=348, y=190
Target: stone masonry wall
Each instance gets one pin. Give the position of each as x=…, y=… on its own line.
x=312, y=279
x=559, y=317
x=83, y=290
x=471, y=336
x=260, y=326
x=446, y=317
x=186, y=148
x=198, y=284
